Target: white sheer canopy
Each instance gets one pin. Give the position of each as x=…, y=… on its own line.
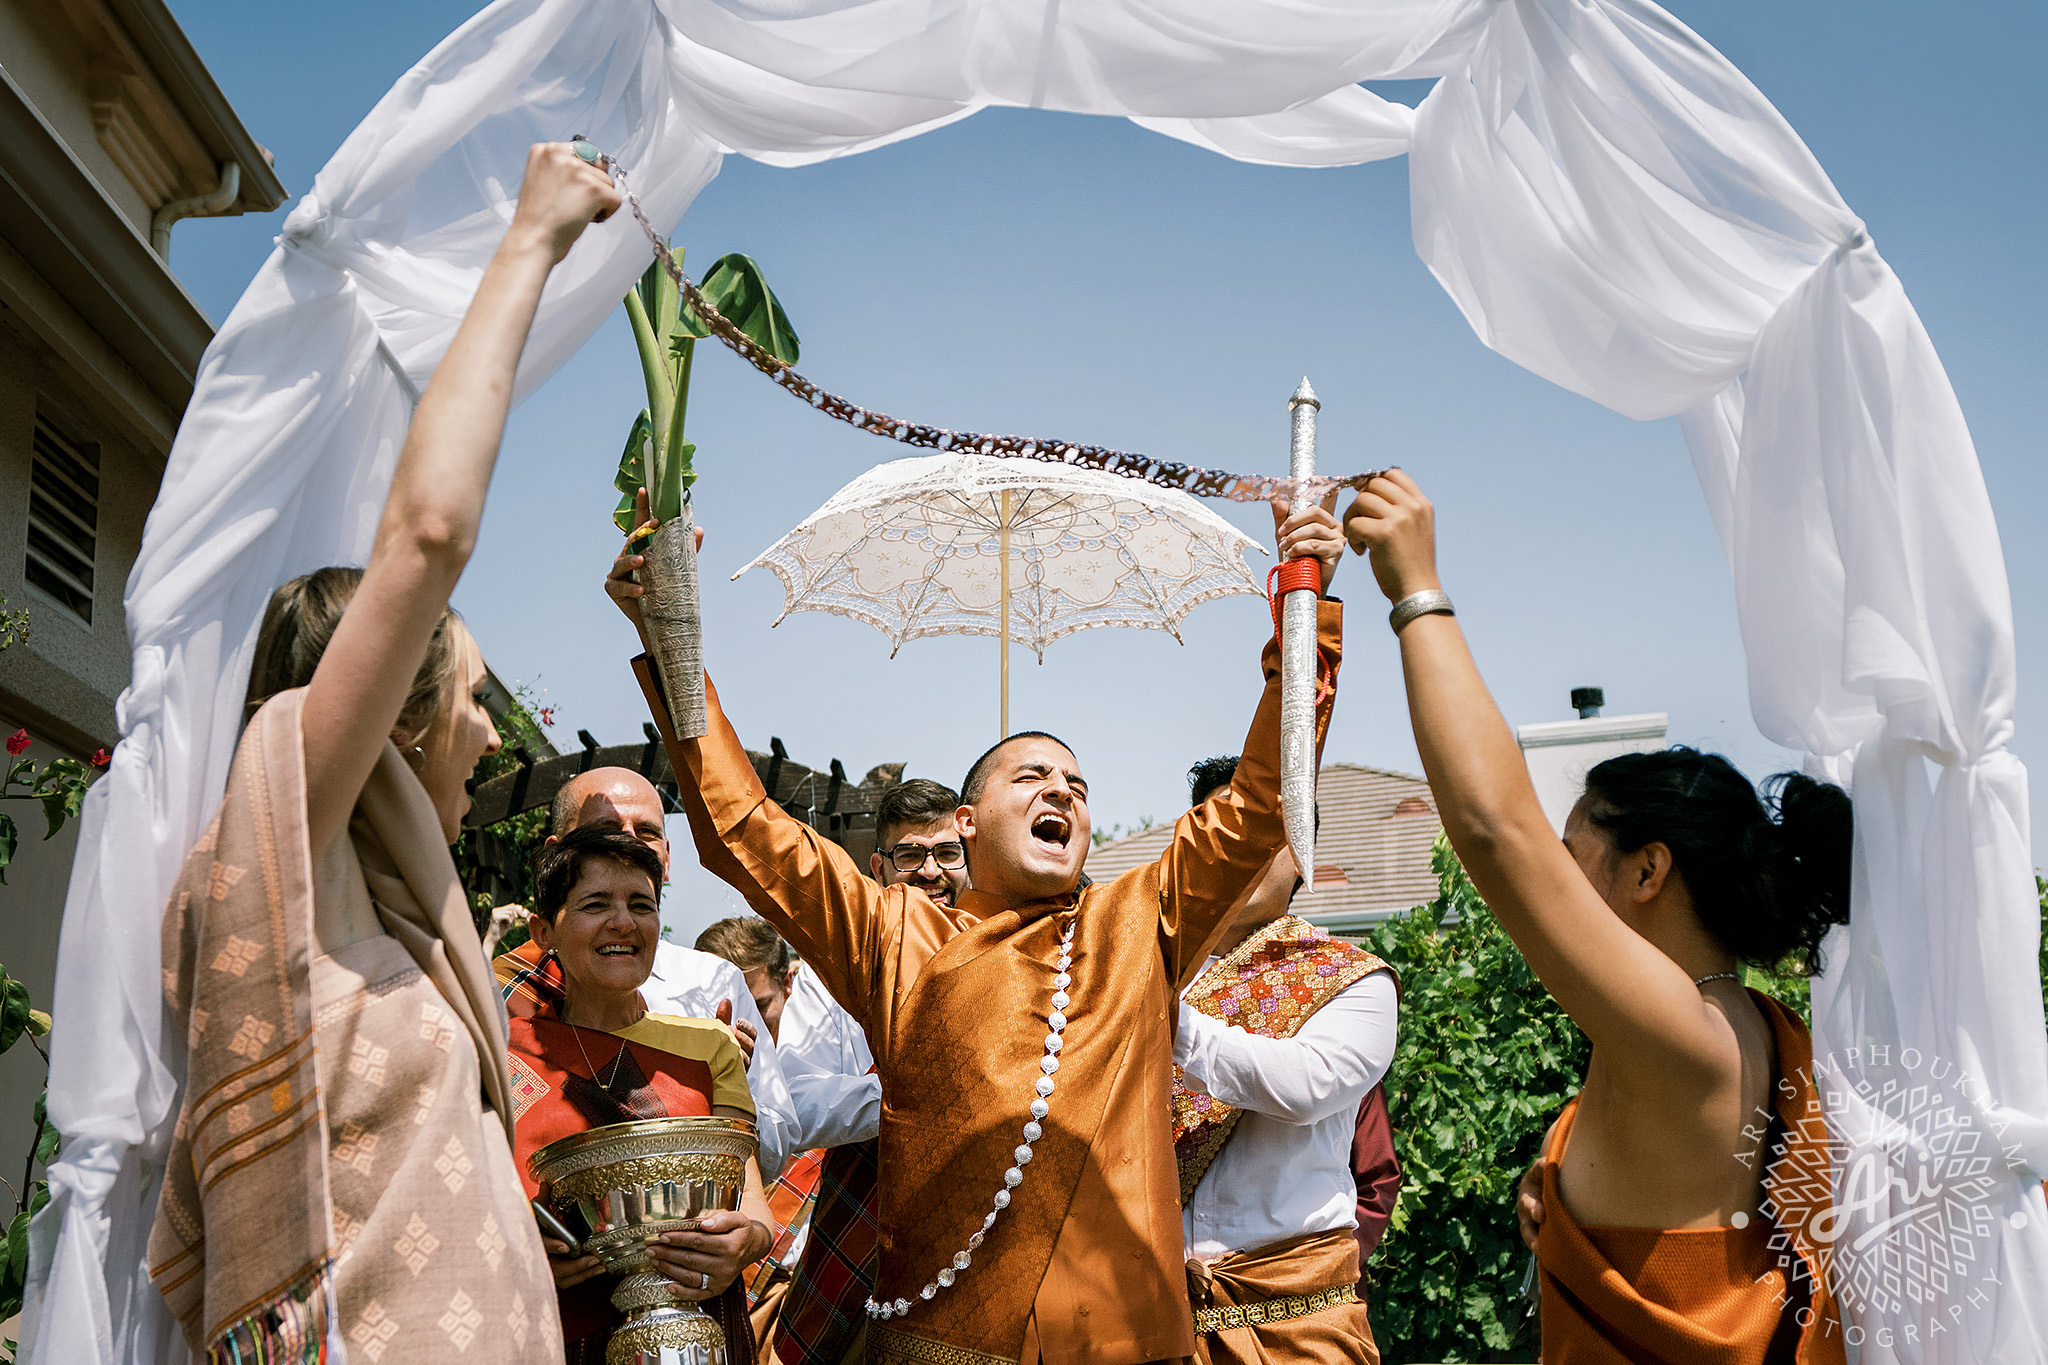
x=1609, y=202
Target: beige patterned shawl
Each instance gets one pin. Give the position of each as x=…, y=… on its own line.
x=249, y=1155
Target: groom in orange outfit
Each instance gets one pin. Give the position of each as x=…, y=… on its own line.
x=1024, y=1034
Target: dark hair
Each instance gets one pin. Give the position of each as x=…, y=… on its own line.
x=1209, y=776
x=977, y=776
x=300, y=620
x=913, y=805
x=747, y=942
x=1212, y=775
x=1768, y=875
x=559, y=866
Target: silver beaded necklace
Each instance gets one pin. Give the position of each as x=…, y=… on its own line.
x=1056, y=1024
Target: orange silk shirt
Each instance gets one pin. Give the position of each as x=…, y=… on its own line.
x=1085, y=1264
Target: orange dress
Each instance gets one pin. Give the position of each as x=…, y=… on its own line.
x=1693, y=1296
x=1085, y=1264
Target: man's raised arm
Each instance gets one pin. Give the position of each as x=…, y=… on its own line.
x=1221, y=846
x=793, y=877
x=804, y=885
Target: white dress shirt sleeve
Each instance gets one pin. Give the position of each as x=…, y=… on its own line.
x=826, y=1060
x=693, y=984
x=1325, y=1068
x=775, y=1117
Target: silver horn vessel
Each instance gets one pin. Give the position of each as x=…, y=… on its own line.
x=619, y=1188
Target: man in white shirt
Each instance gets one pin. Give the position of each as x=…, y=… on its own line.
x=683, y=981
x=828, y=1066
x=1280, y=1039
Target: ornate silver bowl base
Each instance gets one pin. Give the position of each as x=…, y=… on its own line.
x=629, y=1183
x=658, y=1329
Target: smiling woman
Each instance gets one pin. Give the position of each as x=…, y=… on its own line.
x=597, y=1057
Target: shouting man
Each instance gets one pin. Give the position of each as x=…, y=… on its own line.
x=1022, y=1034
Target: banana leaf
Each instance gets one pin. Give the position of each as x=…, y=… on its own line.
x=632, y=475
x=666, y=333
x=736, y=288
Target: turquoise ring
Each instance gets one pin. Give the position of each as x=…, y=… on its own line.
x=587, y=150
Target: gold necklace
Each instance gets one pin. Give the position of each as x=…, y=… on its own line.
x=577, y=1033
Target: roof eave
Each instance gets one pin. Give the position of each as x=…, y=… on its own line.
x=177, y=64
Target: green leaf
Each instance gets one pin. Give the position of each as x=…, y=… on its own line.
x=659, y=297
x=632, y=474
x=58, y=807
x=14, y=1273
x=14, y=1008
x=735, y=287
x=47, y=1136
x=666, y=498
x=653, y=352
x=9, y=837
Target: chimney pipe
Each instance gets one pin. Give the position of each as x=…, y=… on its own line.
x=1587, y=701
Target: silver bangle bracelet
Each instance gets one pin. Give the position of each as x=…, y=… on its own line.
x=1431, y=602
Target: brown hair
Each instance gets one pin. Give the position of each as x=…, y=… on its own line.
x=558, y=867
x=913, y=805
x=299, y=622
x=747, y=942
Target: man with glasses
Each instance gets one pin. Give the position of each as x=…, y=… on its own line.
x=916, y=842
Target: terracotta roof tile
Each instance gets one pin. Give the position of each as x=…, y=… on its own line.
x=1372, y=853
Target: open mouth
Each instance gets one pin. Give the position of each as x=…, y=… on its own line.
x=1052, y=829
x=618, y=950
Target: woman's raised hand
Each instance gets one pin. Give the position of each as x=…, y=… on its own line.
x=560, y=195
x=1392, y=524
x=1312, y=531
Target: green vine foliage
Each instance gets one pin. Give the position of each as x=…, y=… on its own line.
x=510, y=844
x=1484, y=1063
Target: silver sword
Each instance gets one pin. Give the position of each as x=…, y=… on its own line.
x=1298, y=668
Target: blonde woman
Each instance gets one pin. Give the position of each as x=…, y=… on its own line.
x=341, y=1176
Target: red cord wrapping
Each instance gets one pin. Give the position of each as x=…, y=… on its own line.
x=1300, y=575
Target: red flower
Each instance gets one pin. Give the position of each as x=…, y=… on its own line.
x=547, y=715
x=17, y=741
x=100, y=758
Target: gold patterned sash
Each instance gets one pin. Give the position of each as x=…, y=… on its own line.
x=1268, y=985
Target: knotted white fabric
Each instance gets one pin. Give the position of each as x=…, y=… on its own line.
x=1608, y=201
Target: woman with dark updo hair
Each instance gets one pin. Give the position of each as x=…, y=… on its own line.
x=340, y=1179
x=1661, y=1188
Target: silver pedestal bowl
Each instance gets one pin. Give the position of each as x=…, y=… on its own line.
x=620, y=1187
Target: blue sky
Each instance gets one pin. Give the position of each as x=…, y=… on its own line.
x=1079, y=277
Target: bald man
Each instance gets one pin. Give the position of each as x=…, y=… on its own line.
x=684, y=981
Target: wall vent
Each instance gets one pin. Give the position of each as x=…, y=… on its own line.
x=63, y=519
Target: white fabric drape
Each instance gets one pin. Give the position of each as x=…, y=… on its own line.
x=1608, y=201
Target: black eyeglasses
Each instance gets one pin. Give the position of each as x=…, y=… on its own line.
x=910, y=857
